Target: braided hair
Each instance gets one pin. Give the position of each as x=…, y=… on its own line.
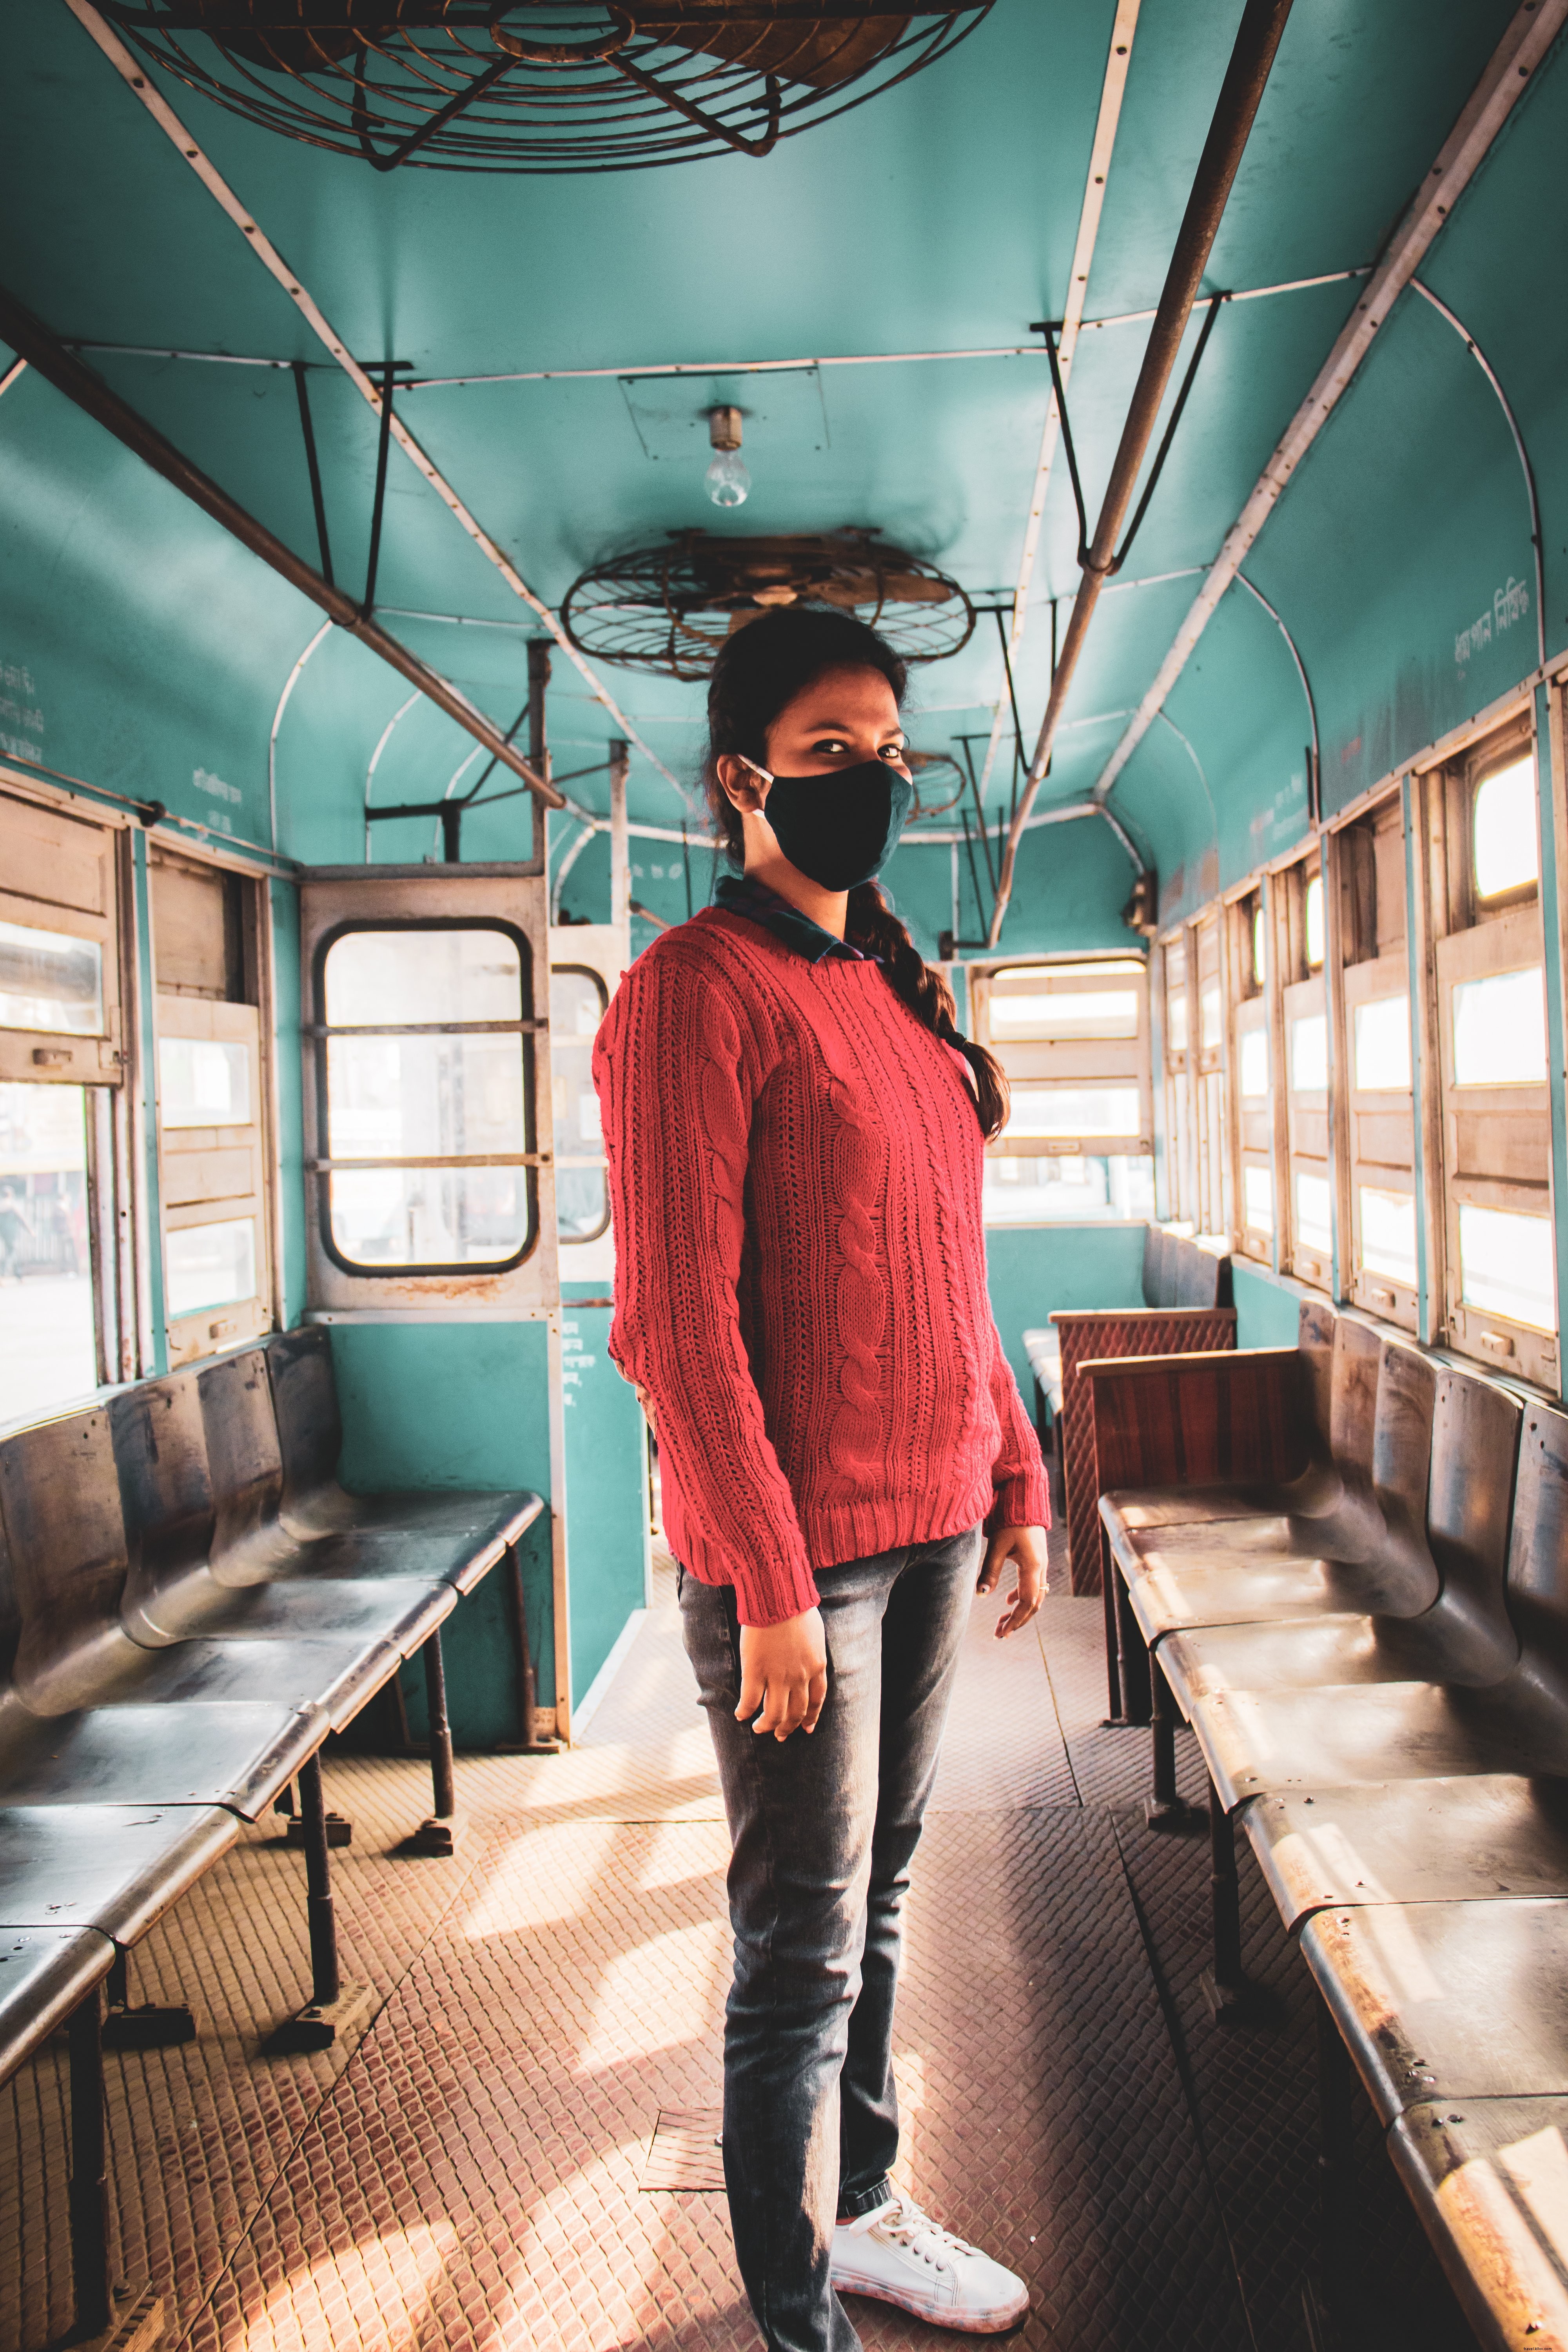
x=760, y=670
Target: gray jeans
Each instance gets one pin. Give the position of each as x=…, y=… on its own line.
x=823, y=1831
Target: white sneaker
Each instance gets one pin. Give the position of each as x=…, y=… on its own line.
x=901, y=2256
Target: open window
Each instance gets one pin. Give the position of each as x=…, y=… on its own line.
x=1300, y=934
x=1383, y=1273
x=63, y=1125
x=579, y=1001
x=1180, y=1030
x=211, y=1093
x=1254, y=1057
x=425, y=1180
x=1490, y=1020
x=1211, y=1156
x=1074, y=1040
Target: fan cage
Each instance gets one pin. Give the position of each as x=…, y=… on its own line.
x=468, y=85
x=668, y=609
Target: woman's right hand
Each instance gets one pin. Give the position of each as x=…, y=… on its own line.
x=783, y=1674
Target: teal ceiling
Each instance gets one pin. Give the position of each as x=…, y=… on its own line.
x=940, y=216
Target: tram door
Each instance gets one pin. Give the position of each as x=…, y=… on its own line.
x=609, y=1518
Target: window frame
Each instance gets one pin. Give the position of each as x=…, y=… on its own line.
x=574, y=1158
x=1068, y=1061
x=336, y=901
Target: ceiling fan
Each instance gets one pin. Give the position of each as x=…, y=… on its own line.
x=541, y=85
x=669, y=608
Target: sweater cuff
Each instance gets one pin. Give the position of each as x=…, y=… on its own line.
x=769, y=1600
x=1022, y=1501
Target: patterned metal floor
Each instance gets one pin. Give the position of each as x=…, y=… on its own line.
x=468, y=2174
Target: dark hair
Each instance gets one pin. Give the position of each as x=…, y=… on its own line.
x=760, y=670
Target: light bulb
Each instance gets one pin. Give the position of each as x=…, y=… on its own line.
x=727, y=481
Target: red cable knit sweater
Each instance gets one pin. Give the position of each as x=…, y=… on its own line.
x=800, y=1265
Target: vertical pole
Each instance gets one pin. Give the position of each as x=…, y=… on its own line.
x=88, y=2177
x=442, y=1777
x=325, y=1981
x=1113, y=1633
x=620, y=848
x=528, y=1688
x=1164, y=1804
x=1131, y=1654
x=383, y=445
x=538, y=746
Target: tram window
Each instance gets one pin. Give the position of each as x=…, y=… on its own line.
x=1253, y=1055
x=1304, y=1012
x=1312, y=923
x=214, y=1176
x=425, y=1106
x=1209, y=1203
x=1369, y=866
x=1074, y=1040
x=59, y=961
x=49, y=1339
x=1493, y=1237
x=1179, y=1178
x=578, y=1002
x=1503, y=831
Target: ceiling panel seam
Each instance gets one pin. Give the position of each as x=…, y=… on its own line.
x=1113, y=88
x=218, y=187
x=1507, y=75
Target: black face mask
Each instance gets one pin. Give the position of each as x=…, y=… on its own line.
x=841, y=829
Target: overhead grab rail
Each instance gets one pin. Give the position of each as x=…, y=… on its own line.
x=1050, y=328
x=1246, y=76
x=32, y=340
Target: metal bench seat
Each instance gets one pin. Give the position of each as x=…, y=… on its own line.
x=1489, y=2181
x=113, y=1867
x=1254, y=1434
x=174, y=1587
x=1447, y=2001
x=238, y=1753
x=1429, y=1606
x=46, y=1973
x=1444, y=1841
x=1475, y=1685
x=452, y=1536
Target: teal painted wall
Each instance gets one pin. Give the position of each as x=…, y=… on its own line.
x=1033, y=1268
x=607, y=1489
x=1267, y=1312
x=432, y=1405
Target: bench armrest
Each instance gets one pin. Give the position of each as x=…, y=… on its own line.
x=1200, y=1420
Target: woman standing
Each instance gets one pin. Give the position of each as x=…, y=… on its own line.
x=795, y=1134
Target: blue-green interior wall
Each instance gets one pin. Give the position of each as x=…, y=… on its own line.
x=441, y=1405
x=1034, y=1269
x=1267, y=1312
x=607, y=1487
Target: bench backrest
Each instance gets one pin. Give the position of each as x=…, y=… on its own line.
x=60, y=1501
x=166, y=1496
x=1402, y=1576
x=1203, y=1277
x=1475, y=1447
x=305, y=1400
x=1157, y=1244
x=1538, y=1552
x=245, y=1463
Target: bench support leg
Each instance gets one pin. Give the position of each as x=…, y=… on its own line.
x=148, y=2026
x=436, y=1834
x=1133, y=1656
x=527, y=1682
x=1114, y=1714
x=332, y=2005
x=108, y=2319
x=1225, y=1988
x=1165, y=1807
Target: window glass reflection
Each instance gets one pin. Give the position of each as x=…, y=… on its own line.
x=1383, y=1046
x=1499, y=1030
x=1506, y=853
x=48, y=1351
x=1506, y=1265
x=52, y=982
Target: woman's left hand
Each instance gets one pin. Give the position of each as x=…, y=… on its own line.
x=1025, y=1547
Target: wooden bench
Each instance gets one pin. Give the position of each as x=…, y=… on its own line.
x=1401, y=1775
x=1187, y=1306
x=189, y=1602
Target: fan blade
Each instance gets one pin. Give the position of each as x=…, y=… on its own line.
x=915, y=588
x=821, y=51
